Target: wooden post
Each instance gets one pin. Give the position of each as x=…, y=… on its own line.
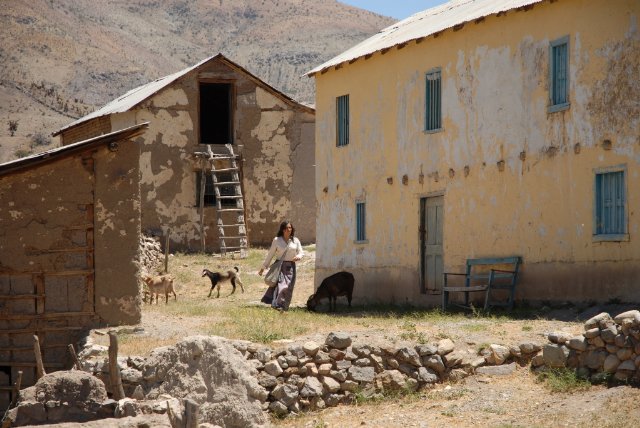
x=114, y=370
x=74, y=358
x=39, y=366
x=203, y=183
x=16, y=390
x=166, y=253
x=191, y=410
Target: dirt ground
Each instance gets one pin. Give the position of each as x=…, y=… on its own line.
x=515, y=400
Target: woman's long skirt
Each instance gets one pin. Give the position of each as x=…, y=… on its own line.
x=280, y=296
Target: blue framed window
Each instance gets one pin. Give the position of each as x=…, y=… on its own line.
x=559, y=74
x=433, y=101
x=342, y=120
x=361, y=234
x=610, y=213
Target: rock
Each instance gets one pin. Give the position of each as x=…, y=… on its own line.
x=559, y=337
x=336, y=354
x=445, y=346
x=332, y=400
x=312, y=388
x=273, y=368
x=263, y=355
x=424, y=350
x=343, y=364
x=125, y=408
x=391, y=380
x=409, y=355
x=609, y=333
x=362, y=362
x=591, y=333
x=427, y=375
x=537, y=361
x=349, y=385
x=630, y=315
x=503, y=370
x=330, y=384
x=598, y=321
x=338, y=375
x=454, y=359
x=267, y=381
x=627, y=365
x=338, y=340
x=579, y=343
x=322, y=358
x=555, y=355
x=457, y=375
x=620, y=340
x=595, y=359
x=361, y=374
x=287, y=394
x=499, y=354
x=361, y=350
x=138, y=393
x=434, y=362
x=278, y=408
x=310, y=348
x=611, y=363
x=624, y=354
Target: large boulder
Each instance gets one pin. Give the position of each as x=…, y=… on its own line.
x=63, y=396
x=213, y=373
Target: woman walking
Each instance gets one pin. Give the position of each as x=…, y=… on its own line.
x=286, y=247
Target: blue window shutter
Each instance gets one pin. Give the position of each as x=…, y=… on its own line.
x=360, y=221
x=342, y=120
x=559, y=74
x=610, y=204
x=433, y=101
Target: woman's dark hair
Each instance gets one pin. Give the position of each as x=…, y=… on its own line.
x=283, y=226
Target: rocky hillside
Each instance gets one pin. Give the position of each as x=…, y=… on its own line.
x=61, y=59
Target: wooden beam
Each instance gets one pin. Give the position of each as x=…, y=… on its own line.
x=114, y=370
x=39, y=366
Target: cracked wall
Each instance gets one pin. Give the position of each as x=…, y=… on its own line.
x=516, y=180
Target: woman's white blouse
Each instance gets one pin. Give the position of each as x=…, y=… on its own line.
x=279, y=247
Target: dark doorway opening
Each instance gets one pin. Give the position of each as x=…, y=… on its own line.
x=215, y=113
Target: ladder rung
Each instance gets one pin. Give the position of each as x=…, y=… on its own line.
x=233, y=237
x=225, y=183
x=230, y=197
x=221, y=157
x=213, y=171
x=231, y=209
x=231, y=225
x=234, y=248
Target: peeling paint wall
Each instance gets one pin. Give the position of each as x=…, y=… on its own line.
x=68, y=238
x=276, y=140
x=516, y=180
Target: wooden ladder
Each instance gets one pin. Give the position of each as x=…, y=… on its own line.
x=237, y=227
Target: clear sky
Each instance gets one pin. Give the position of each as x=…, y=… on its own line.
x=398, y=9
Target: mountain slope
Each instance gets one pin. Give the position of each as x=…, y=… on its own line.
x=61, y=59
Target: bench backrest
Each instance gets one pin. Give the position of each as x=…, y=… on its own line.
x=493, y=261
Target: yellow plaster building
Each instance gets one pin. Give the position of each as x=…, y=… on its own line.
x=485, y=128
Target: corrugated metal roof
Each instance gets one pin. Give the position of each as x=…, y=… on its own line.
x=141, y=93
x=423, y=24
x=58, y=152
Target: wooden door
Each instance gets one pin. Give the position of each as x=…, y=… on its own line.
x=432, y=265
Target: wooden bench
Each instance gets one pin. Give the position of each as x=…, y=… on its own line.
x=477, y=279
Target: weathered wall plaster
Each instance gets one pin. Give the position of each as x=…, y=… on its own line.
x=516, y=180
